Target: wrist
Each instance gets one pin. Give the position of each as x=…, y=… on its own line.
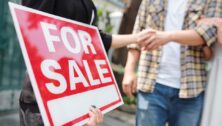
x=170, y=36
x=135, y=38
x=132, y=38
x=129, y=68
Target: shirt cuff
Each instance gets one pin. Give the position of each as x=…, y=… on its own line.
x=208, y=33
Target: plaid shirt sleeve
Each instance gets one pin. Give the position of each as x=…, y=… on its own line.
x=208, y=33
x=140, y=22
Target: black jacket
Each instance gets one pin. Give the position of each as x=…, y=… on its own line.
x=79, y=10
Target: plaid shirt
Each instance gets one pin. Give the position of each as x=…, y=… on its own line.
x=152, y=14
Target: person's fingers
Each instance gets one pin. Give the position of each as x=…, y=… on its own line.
x=92, y=119
x=124, y=86
x=128, y=90
x=208, y=53
x=146, y=34
x=127, y=82
x=142, y=39
x=203, y=21
x=153, y=45
x=206, y=21
x=100, y=116
x=134, y=86
x=150, y=39
x=95, y=116
x=92, y=109
x=156, y=46
x=91, y=114
x=148, y=42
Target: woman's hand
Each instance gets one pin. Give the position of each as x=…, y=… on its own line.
x=155, y=40
x=213, y=21
x=219, y=29
x=207, y=21
x=210, y=21
x=96, y=117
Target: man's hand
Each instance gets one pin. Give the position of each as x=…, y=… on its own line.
x=96, y=117
x=156, y=40
x=142, y=36
x=129, y=83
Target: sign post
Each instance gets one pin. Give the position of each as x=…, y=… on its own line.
x=67, y=65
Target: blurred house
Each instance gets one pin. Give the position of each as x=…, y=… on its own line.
x=115, y=10
x=112, y=5
x=12, y=67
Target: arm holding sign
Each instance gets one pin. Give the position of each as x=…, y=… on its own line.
x=75, y=10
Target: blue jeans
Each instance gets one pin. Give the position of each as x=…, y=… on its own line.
x=164, y=105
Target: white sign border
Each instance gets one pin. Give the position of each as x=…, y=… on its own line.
x=14, y=6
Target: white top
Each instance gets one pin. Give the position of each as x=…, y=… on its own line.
x=169, y=72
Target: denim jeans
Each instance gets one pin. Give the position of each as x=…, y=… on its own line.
x=164, y=106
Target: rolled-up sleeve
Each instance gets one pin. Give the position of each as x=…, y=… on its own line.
x=209, y=33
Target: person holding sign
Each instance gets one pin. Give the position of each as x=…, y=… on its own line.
x=82, y=11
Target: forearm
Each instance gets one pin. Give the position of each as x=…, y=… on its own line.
x=186, y=37
x=122, y=40
x=132, y=58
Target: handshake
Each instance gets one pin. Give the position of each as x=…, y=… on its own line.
x=150, y=39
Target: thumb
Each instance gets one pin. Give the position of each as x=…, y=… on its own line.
x=92, y=119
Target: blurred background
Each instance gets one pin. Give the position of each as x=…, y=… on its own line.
x=115, y=16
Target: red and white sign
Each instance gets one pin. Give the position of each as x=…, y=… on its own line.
x=67, y=65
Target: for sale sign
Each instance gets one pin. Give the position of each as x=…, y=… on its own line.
x=67, y=66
